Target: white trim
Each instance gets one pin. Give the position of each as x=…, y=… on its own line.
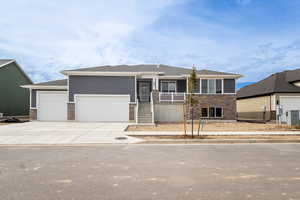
x=135, y=87
x=290, y=96
x=42, y=87
x=4, y=64
x=30, y=103
x=102, y=95
x=222, y=82
x=216, y=76
x=108, y=73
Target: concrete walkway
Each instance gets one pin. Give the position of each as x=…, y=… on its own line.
x=49, y=133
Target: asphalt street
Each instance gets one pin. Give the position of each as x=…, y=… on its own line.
x=128, y=172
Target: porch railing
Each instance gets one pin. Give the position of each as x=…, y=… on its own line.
x=172, y=96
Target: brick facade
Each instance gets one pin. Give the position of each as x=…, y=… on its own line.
x=33, y=114
x=132, y=112
x=71, y=111
x=226, y=101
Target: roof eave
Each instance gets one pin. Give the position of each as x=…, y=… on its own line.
x=107, y=73
x=53, y=87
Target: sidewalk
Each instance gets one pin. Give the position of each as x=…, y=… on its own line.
x=175, y=133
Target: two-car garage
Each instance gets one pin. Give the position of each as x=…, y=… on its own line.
x=53, y=106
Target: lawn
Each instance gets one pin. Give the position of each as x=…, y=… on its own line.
x=234, y=126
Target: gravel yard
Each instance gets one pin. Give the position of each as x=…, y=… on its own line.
x=235, y=126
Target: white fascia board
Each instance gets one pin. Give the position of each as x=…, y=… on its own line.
x=45, y=87
x=217, y=76
x=98, y=73
x=11, y=61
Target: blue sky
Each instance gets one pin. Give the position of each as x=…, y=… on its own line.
x=251, y=37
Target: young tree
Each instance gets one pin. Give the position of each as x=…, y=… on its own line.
x=191, y=100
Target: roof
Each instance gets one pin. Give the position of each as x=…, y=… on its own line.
x=60, y=82
x=293, y=75
x=5, y=62
x=276, y=83
x=166, y=69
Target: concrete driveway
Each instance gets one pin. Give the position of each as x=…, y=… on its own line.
x=64, y=133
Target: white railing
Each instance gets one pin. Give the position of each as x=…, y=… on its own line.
x=172, y=96
x=152, y=106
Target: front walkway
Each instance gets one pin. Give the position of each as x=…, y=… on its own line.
x=49, y=133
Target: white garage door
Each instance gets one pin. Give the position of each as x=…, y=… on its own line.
x=52, y=106
x=102, y=108
x=289, y=103
x=168, y=113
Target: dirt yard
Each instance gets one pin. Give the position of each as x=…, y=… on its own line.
x=236, y=126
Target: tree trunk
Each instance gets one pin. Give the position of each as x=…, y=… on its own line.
x=192, y=122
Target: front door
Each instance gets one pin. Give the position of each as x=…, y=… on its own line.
x=144, y=91
x=295, y=118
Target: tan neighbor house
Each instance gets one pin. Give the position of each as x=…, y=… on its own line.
x=262, y=100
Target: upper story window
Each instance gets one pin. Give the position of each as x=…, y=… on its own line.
x=168, y=86
x=211, y=86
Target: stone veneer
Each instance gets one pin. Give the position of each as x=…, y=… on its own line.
x=71, y=111
x=226, y=101
x=33, y=114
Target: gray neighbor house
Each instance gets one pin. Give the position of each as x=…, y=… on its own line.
x=132, y=93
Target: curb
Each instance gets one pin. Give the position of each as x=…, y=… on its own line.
x=217, y=141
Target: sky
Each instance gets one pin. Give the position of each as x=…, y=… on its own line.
x=252, y=37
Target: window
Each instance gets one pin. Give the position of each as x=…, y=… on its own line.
x=211, y=86
x=204, y=112
x=168, y=86
x=212, y=112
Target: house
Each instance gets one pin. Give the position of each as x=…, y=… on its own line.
x=14, y=101
x=262, y=100
x=135, y=93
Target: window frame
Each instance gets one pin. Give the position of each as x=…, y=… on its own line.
x=215, y=112
x=168, y=81
x=215, y=85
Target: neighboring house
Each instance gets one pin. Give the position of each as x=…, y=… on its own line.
x=14, y=100
x=136, y=93
x=260, y=101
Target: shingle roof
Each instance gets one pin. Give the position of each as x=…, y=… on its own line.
x=61, y=82
x=4, y=61
x=168, y=70
x=276, y=83
x=293, y=75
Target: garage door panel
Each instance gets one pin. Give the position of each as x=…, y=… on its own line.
x=168, y=113
x=289, y=103
x=52, y=106
x=113, y=108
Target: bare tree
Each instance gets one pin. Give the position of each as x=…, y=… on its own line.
x=192, y=101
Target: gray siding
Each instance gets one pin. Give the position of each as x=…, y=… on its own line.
x=102, y=85
x=229, y=85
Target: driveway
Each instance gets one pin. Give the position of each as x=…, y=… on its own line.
x=64, y=133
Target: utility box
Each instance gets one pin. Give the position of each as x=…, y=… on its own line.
x=1, y=115
x=293, y=117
